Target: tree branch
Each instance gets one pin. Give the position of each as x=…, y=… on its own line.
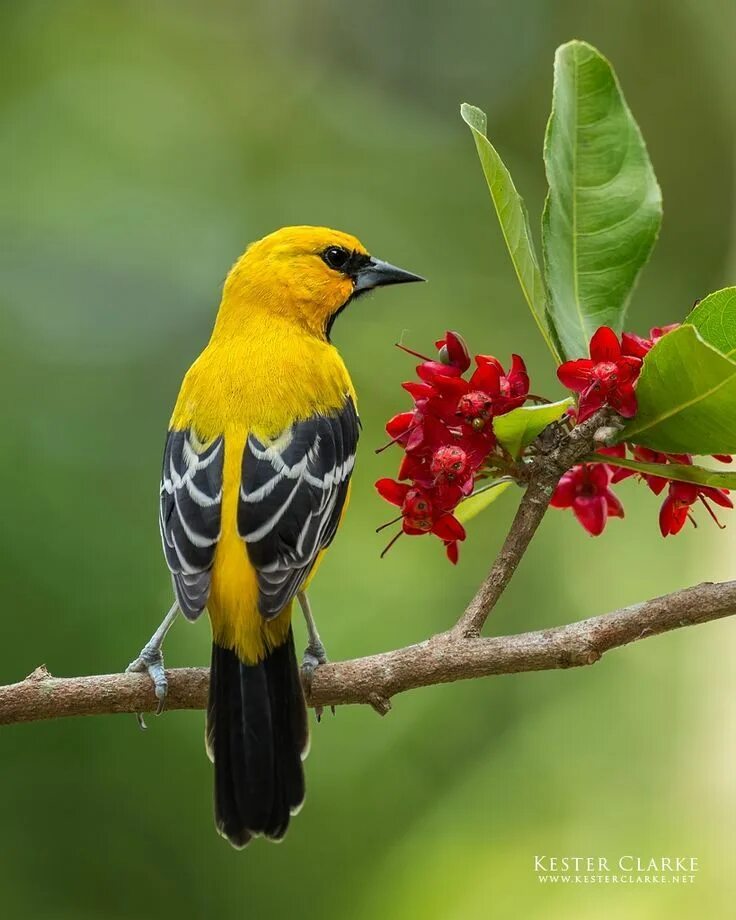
x=376, y=678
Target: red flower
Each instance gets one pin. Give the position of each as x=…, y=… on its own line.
x=422, y=511
x=638, y=347
x=512, y=388
x=681, y=497
x=605, y=379
x=489, y=392
x=585, y=489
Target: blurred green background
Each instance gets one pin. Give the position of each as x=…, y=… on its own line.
x=142, y=146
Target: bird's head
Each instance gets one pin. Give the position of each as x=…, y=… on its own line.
x=309, y=274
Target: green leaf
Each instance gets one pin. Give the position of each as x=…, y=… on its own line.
x=480, y=500
x=686, y=396
x=718, y=479
x=715, y=319
x=604, y=206
x=517, y=429
x=513, y=219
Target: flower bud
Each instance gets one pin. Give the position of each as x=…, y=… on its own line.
x=453, y=351
x=475, y=408
x=417, y=510
x=449, y=463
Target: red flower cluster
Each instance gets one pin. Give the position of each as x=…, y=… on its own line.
x=449, y=443
x=448, y=436
x=586, y=489
x=608, y=378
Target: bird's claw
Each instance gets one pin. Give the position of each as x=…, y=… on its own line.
x=314, y=656
x=151, y=661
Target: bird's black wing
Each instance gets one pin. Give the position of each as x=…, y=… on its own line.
x=292, y=494
x=189, y=514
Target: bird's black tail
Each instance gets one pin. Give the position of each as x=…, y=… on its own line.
x=257, y=736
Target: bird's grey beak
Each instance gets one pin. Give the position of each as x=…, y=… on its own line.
x=376, y=273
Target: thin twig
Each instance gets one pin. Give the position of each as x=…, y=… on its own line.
x=543, y=474
x=528, y=517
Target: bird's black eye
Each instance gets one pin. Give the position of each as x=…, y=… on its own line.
x=336, y=257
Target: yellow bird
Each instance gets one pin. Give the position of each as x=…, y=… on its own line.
x=256, y=478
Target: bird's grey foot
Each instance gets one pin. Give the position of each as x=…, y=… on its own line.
x=314, y=656
x=151, y=661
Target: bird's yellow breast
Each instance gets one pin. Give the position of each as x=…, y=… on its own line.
x=259, y=379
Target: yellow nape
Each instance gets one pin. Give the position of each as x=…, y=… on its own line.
x=269, y=362
x=286, y=275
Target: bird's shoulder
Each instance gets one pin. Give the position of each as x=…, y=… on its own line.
x=262, y=390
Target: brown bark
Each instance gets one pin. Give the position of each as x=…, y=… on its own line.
x=375, y=679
